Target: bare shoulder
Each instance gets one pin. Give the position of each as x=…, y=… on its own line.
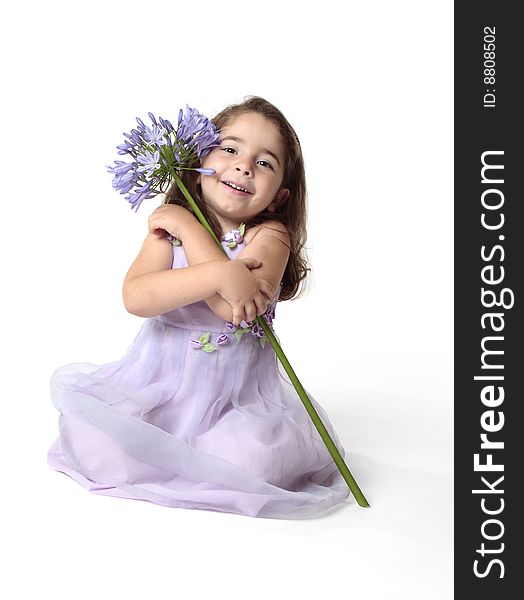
x=267, y=231
x=269, y=243
x=156, y=254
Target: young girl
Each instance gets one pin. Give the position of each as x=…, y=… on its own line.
x=199, y=413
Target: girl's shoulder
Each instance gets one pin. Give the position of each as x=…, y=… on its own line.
x=274, y=228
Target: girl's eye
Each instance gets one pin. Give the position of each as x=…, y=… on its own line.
x=228, y=149
x=264, y=163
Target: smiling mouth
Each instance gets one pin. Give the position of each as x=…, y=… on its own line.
x=236, y=187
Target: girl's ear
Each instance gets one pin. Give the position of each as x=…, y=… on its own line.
x=280, y=198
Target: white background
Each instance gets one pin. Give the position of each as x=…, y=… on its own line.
x=368, y=87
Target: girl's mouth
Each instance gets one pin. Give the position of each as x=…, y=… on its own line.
x=235, y=188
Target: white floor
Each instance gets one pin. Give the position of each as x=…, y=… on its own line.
x=63, y=542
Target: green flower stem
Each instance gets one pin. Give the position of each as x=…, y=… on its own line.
x=195, y=208
x=333, y=450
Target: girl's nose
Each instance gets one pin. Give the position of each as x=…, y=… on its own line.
x=244, y=170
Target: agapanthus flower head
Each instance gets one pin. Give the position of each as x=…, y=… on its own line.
x=159, y=151
x=196, y=131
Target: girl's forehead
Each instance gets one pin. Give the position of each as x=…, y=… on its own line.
x=254, y=128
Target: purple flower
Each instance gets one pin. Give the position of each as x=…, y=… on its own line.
x=222, y=339
x=236, y=236
x=196, y=132
x=158, y=150
x=270, y=310
x=257, y=331
x=196, y=343
x=244, y=325
x=125, y=148
x=120, y=167
x=166, y=125
x=124, y=183
x=124, y=176
x=140, y=194
x=149, y=162
x=155, y=135
x=134, y=137
x=233, y=237
x=231, y=327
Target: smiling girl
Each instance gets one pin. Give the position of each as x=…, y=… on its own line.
x=198, y=413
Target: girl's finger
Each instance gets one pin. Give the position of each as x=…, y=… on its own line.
x=238, y=315
x=267, y=289
x=261, y=303
x=251, y=263
x=251, y=312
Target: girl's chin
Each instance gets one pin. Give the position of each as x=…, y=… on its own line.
x=231, y=215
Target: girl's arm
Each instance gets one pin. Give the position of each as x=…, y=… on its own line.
x=270, y=245
x=151, y=287
x=199, y=246
x=268, y=242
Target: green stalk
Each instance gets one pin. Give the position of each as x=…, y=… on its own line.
x=333, y=450
x=195, y=208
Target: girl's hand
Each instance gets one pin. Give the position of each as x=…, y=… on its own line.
x=248, y=295
x=171, y=218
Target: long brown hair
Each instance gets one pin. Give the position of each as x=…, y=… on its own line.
x=291, y=212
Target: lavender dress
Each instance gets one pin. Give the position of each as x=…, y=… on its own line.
x=195, y=415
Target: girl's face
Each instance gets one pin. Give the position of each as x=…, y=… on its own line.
x=249, y=167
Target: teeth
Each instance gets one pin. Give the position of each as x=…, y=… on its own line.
x=236, y=187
